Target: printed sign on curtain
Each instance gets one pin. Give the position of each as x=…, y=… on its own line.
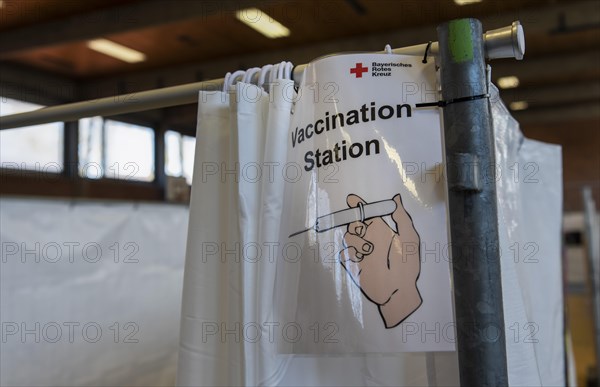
x=365, y=262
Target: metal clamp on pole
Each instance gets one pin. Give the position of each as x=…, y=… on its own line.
x=469, y=143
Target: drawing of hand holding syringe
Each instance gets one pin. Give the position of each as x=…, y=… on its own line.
x=384, y=263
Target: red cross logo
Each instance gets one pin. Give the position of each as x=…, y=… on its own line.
x=359, y=70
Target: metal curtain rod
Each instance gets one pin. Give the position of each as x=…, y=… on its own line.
x=506, y=42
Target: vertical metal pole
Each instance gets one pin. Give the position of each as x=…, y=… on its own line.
x=469, y=147
x=592, y=245
x=71, y=149
x=103, y=160
x=160, y=177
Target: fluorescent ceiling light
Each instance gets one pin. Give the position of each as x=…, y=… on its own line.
x=263, y=23
x=116, y=50
x=518, y=105
x=508, y=82
x=467, y=2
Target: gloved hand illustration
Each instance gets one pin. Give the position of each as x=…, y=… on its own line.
x=384, y=263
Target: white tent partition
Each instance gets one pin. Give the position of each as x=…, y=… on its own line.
x=90, y=292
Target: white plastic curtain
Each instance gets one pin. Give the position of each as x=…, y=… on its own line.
x=529, y=195
x=238, y=185
x=235, y=214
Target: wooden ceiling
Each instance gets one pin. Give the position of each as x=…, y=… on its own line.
x=190, y=40
x=180, y=32
x=21, y=13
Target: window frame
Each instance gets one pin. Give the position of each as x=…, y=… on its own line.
x=182, y=138
x=69, y=183
x=40, y=103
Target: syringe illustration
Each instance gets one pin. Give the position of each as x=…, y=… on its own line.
x=345, y=217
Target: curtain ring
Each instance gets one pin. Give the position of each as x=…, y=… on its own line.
x=273, y=73
x=263, y=75
x=226, y=81
x=249, y=74
x=237, y=74
x=281, y=70
x=288, y=70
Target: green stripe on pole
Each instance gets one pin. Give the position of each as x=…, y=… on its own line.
x=461, y=45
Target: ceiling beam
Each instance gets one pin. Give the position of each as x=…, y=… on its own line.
x=537, y=23
x=108, y=21
x=143, y=14
x=567, y=113
x=557, y=68
x=554, y=95
x=532, y=73
x=35, y=86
